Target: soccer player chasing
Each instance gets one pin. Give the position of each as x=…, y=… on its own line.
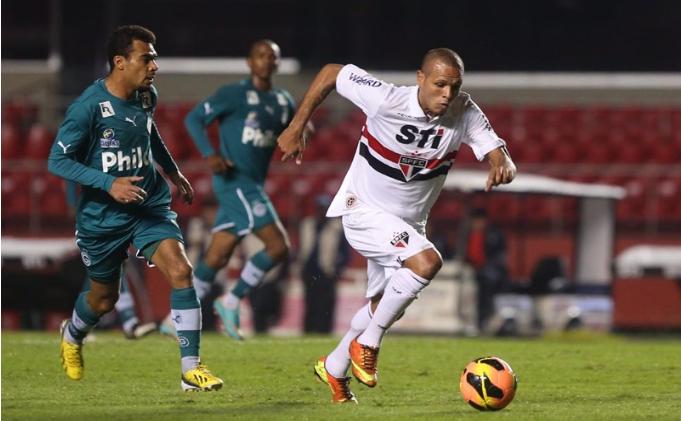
x=407, y=146
x=251, y=114
x=108, y=143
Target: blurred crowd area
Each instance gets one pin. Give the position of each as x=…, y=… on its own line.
x=636, y=147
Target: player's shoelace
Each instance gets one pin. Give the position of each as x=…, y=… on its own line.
x=73, y=358
x=369, y=357
x=344, y=384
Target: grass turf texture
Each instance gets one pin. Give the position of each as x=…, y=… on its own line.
x=580, y=376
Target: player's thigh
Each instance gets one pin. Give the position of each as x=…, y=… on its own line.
x=275, y=238
x=103, y=255
x=171, y=259
x=244, y=208
x=220, y=248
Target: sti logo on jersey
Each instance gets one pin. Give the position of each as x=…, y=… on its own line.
x=408, y=134
x=400, y=240
x=136, y=159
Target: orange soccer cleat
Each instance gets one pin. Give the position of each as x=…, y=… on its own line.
x=364, y=363
x=340, y=388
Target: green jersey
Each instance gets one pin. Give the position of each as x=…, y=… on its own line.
x=250, y=122
x=104, y=137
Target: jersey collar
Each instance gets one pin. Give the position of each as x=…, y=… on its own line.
x=415, y=109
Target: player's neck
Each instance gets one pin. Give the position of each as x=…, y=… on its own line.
x=261, y=84
x=118, y=88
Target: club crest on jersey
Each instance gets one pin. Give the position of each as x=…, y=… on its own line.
x=108, y=140
x=106, y=109
x=400, y=240
x=411, y=165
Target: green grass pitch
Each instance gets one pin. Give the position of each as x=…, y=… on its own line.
x=579, y=377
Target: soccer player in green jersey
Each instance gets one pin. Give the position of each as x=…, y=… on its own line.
x=109, y=144
x=251, y=114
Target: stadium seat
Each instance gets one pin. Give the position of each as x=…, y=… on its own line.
x=38, y=142
x=12, y=146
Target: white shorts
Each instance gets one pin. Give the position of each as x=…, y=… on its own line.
x=385, y=240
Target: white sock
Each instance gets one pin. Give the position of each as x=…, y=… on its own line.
x=338, y=361
x=401, y=290
x=202, y=287
x=231, y=301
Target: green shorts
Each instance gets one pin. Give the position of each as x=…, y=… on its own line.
x=104, y=254
x=243, y=208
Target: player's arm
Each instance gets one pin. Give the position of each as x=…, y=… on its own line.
x=163, y=157
x=74, y=134
x=292, y=140
x=200, y=117
x=502, y=169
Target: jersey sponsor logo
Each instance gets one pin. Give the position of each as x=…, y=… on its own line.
x=122, y=162
x=131, y=120
x=400, y=240
x=364, y=80
x=106, y=109
x=108, y=140
x=252, y=98
x=409, y=134
x=253, y=134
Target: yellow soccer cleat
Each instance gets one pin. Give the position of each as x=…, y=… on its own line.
x=364, y=361
x=340, y=387
x=71, y=355
x=200, y=379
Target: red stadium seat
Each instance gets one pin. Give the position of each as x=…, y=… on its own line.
x=12, y=146
x=38, y=142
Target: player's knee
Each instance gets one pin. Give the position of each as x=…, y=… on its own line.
x=427, y=264
x=278, y=251
x=181, y=275
x=105, y=303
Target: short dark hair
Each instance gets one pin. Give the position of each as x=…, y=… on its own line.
x=446, y=55
x=120, y=41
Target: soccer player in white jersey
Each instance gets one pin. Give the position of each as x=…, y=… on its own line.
x=407, y=146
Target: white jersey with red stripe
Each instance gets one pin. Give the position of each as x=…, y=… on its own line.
x=403, y=156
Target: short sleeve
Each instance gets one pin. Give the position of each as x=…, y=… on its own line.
x=479, y=133
x=364, y=90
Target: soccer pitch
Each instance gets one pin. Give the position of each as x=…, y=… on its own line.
x=580, y=376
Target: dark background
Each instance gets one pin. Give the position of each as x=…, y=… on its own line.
x=519, y=35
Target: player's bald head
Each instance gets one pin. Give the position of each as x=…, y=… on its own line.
x=264, y=43
x=444, y=56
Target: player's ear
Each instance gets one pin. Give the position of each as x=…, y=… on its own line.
x=420, y=77
x=119, y=62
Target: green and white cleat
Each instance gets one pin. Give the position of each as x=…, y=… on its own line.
x=230, y=320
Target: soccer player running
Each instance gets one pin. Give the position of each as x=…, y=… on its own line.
x=407, y=146
x=251, y=114
x=108, y=143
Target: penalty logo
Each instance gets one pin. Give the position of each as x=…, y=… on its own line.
x=400, y=240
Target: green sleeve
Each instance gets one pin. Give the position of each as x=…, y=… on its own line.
x=161, y=153
x=73, y=139
x=220, y=105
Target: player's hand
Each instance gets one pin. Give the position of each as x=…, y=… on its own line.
x=124, y=190
x=292, y=144
x=183, y=186
x=219, y=165
x=502, y=174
